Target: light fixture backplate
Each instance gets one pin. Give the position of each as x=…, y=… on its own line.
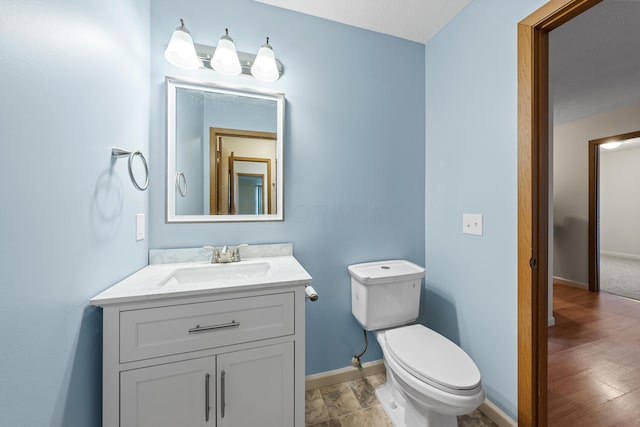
x=205, y=53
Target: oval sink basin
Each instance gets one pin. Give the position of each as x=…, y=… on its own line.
x=226, y=274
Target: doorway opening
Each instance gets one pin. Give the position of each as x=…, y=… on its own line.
x=618, y=271
x=533, y=203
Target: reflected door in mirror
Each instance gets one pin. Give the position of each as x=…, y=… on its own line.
x=241, y=157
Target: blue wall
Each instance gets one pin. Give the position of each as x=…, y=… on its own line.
x=190, y=152
x=471, y=152
x=74, y=82
x=354, y=151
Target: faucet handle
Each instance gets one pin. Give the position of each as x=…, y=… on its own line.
x=236, y=252
x=215, y=254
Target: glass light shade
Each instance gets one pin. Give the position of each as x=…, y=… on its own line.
x=264, y=66
x=180, y=51
x=611, y=145
x=225, y=59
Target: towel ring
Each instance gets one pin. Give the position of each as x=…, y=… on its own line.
x=181, y=179
x=119, y=152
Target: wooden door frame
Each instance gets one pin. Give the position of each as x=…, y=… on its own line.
x=533, y=203
x=594, y=203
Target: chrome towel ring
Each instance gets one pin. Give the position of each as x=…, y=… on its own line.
x=181, y=184
x=116, y=153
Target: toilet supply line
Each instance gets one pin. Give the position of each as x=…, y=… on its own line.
x=355, y=361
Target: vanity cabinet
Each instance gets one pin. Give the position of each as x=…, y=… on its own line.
x=243, y=388
x=225, y=359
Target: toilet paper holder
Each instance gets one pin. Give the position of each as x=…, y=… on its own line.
x=311, y=293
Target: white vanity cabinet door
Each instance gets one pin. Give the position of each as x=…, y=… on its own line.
x=169, y=395
x=256, y=387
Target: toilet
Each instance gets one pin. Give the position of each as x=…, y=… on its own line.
x=430, y=380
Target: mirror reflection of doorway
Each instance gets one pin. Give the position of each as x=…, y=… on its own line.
x=250, y=194
x=246, y=185
x=237, y=153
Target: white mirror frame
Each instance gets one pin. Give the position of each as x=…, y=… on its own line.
x=170, y=194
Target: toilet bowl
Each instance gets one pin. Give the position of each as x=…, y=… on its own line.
x=430, y=380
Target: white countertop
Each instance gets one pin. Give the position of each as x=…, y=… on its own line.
x=150, y=283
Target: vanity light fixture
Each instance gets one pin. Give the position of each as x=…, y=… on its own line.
x=224, y=58
x=180, y=51
x=264, y=67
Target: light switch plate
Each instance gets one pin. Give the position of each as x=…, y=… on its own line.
x=472, y=224
x=139, y=227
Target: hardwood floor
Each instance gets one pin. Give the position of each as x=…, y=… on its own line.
x=594, y=359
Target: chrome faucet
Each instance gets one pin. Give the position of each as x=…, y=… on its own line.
x=225, y=255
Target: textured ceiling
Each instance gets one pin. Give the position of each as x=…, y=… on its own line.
x=594, y=63
x=415, y=20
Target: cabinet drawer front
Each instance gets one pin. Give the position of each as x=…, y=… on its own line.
x=164, y=331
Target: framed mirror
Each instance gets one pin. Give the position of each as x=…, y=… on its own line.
x=224, y=153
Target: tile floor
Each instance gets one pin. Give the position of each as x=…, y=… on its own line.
x=354, y=404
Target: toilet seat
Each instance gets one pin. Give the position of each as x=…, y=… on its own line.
x=433, y=359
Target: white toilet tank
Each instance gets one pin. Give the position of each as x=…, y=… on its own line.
x=385, y=294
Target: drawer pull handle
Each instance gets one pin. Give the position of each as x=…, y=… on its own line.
x=198, y=328
x=223, y=400
x=206, y=398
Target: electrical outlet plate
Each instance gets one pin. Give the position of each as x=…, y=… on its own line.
x=472, y=224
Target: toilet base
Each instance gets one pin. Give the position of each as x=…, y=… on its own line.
x=402, y=414
x=390, y=404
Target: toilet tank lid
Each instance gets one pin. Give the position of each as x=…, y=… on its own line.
x=371, y=273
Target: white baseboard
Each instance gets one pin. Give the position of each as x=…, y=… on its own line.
x=621, y=255
x=350, y=373
x=570, y=282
